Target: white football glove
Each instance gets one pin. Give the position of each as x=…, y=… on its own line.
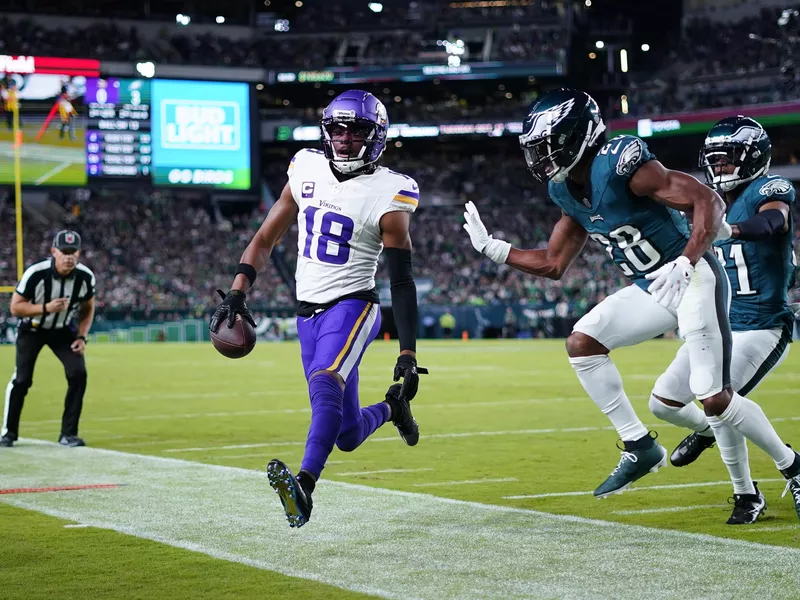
x=497, y=250
x=670, y=282
x=724, y=232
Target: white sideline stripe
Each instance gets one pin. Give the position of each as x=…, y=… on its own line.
x=433, y=436
x=467, y=482
x=54, y=171
x=230, y=514
x=666, y=509
x=76, y=526
x=674, y=486
x=289, y=411
x=376, y=472
x=776, y=528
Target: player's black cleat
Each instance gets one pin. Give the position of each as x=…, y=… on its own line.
x=792, y=475
x=747, y=508
x=690, y=449
x=71, y=441
x=6, y=442
x=401, y=415
x=294, y=492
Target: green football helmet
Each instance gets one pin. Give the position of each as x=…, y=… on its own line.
x=557, y=132
x=738, y=141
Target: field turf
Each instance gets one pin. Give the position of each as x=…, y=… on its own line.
x=494, y=502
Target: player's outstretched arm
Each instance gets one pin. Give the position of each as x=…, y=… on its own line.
x=685, y=193
x=397, y=250
x=280, y=217
x=566, y=242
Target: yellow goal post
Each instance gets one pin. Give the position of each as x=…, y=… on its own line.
x=8, y=289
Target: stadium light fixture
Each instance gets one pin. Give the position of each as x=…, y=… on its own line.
x=623, y=60
x=588, y=3
x=146, y=69
x=599, y=44
x=375, y=7
x=592, y=55
x=299, y=4
x=220, y=20
x=181, y=19
x=623, y=104
x=645, y=47
x=453, y=61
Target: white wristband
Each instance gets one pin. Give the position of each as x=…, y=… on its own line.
x=497, y=250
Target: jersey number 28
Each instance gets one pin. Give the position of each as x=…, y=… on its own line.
x=637, y=249
x=334, y=232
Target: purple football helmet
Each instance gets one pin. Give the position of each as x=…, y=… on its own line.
x=354, y=129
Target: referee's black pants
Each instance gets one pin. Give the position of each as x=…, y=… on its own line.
x=29, y=343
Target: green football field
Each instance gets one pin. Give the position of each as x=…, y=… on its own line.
x=50, y=161
x=494, y=502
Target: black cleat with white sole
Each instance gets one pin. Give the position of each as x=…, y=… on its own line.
x=792, y=475
x=294, y=492
x=690, y=449
x=748, y=508
x=401, y=415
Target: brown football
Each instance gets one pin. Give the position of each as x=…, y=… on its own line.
x=234, y=342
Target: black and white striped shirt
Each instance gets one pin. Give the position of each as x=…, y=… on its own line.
x=41, y=283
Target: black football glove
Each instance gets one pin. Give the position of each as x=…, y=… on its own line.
x=406, y=368
x=232, y=304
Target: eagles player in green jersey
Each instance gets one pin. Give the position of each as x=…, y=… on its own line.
x=618, y=194
x=759, y=260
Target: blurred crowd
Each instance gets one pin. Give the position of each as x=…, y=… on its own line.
x=107, y=40
x=143, y=267
x=724, y=64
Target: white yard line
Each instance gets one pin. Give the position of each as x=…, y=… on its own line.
x=287, y=411
x=394, y=438
x=52, y=172
x=667, y=509
x=454, y=549
x=378, y=471
x=644, y=488
x=466, y=482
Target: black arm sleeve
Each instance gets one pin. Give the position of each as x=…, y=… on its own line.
x=404, y=296
x=762, y=226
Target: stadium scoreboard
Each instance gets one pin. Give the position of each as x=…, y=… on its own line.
x=79, y=126
x=118, y=132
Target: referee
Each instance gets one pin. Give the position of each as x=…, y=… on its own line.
x=47, y=299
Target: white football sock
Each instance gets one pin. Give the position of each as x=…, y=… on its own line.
x=689, y=416
x=733, y=448
x=746, y=417
x=602, y=381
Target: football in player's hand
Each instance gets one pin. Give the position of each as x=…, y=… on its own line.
x=237, y=341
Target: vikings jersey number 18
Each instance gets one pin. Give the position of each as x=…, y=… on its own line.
x=339, y=235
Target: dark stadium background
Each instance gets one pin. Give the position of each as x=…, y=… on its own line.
x=161, y=252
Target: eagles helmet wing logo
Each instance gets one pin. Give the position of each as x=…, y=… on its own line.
x=630, y=157
x=776, y=186
x=544, y=121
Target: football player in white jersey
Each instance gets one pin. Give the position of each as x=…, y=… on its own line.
x=348, y=210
